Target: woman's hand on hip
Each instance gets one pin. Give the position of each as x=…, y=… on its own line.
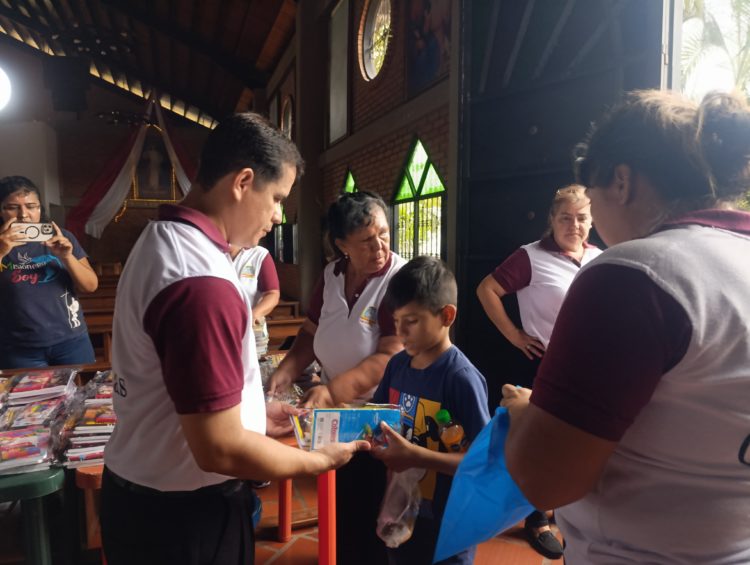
x=530, y=346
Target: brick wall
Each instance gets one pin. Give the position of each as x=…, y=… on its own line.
x=379, y=167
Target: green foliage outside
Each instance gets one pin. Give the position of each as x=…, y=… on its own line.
x=715, y=52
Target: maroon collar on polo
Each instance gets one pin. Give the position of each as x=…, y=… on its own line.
x=548, y=243
x=192, y=217
x=730, y=220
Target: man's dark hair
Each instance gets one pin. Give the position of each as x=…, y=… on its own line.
x=246, y=140
x=424, y=280
x=12, y=184
x=350, y=212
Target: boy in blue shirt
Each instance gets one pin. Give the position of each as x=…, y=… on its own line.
x=430, y=374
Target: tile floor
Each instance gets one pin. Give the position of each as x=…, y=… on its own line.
x=507, y=549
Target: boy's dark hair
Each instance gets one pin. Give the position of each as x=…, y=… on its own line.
x=350, y=212
x=424, y=280
x=246, y=140
x=12, y=184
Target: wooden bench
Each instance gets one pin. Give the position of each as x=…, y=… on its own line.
x=279, y=330
x=100, y=324
x=94, y=304
x=284, y=309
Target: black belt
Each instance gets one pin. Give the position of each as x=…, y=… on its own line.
x=226, y=487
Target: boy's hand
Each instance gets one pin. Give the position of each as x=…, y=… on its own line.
x=399, y=455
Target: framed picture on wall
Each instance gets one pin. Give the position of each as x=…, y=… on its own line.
x=428, y=42
x=154, y=177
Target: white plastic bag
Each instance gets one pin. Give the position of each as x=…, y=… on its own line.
x=400, y=507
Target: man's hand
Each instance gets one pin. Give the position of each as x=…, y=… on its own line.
x=317, y=397
x=278, y=422
x=400, y=454
x=338, y=454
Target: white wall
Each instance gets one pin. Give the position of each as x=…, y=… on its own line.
x=30, y=150
x=27, y=138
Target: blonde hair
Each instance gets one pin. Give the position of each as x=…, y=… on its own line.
x=571, y=194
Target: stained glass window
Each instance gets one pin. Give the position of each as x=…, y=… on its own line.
x=418, y=207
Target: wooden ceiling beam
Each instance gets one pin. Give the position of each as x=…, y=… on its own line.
x=131, y=72
x=247, y=75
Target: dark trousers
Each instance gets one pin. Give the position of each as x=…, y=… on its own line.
x=209, y=526
x=359, y=490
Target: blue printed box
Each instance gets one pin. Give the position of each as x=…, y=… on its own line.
x=324, y=426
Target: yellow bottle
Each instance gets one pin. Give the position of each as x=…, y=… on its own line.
x=451, y=433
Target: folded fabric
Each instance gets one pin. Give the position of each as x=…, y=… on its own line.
x=484, y=499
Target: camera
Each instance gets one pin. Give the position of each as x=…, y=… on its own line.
x=36, y=232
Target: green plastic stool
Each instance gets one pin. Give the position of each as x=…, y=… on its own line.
x=30, y=489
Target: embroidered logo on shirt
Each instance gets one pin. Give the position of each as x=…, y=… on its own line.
x=248, y=272
x=369, y=316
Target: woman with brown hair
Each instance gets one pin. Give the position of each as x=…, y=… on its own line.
x=640, y=403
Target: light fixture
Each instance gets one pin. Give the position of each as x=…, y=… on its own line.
x=4, y=89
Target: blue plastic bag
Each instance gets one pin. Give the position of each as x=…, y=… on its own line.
x=484, y=500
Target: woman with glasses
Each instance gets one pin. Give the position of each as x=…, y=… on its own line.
x=41, y=322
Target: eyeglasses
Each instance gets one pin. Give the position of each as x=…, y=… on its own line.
x=17, y=207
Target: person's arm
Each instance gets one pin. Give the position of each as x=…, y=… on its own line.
x=608, y=352
x=266, y=304
x=401, y=454
x=357, y=381
x=269, y=288
x=538, y=442
x=220, y=444
x=490, y=294
x=83, y=276
x=296, y=360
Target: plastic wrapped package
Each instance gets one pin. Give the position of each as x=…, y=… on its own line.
x=43, y=384
x=400, y=507
x=24, y=450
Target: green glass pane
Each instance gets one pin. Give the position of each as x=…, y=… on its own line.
x=349, y=185
x=417, y=164
x=404, y=192
x=432, y=184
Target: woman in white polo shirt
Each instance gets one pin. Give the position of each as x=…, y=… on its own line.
x=640, y=404
x=346, y=329
x=540, y=274
x=353, y=338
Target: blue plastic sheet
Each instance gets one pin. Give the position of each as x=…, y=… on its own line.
x=484, y=500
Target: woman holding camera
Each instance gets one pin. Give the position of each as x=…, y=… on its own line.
x=41, y=323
